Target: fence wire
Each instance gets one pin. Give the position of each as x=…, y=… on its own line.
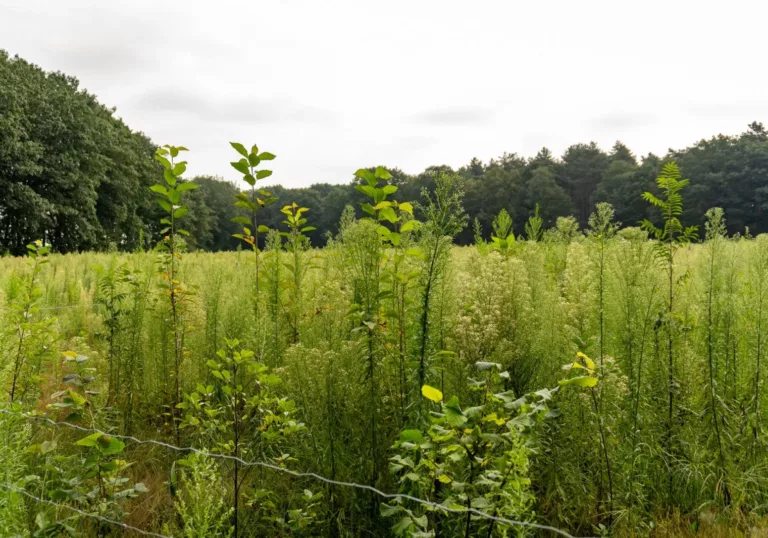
x=298, y=474
x=81, y=512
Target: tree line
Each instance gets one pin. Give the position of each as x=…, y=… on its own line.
x=76, y=176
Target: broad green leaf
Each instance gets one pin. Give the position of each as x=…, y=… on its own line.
x=422, y=522
x=239, y=148
x=159, y=189
x=246, y=204
x=387, y=510
x=266, y=156
x=165, y=162
x=90, y=440
x=109, y=445
x=188, y=186
x=388, y=214
x=401, y=526
x=174, y=196
x=580, y=381
x=261, y=174
x=366, y=189
x=57, y=495
x=170, y=179
x=245, y=221
x=367, y=175
x=384, y=232
x=411, y=436
x=179, y=168
x=241, y=166
x=180, y=212
x=453, y=413
x=272, y=380
x=382, y=173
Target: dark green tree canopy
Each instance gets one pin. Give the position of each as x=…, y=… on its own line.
x=74, y=175
x=71, y=173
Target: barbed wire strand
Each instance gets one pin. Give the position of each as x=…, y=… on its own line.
x=83, y=513
x=300, y=474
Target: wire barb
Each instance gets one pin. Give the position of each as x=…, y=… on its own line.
x=300, y=474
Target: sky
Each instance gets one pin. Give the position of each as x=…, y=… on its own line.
x=331, y=86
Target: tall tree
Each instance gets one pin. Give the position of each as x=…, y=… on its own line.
x=729, y=172
x=583, y=167
x=623, y=183
x=473, y=170
x=499, y=188
x=217, y=194
x=72, y=171
x=542, y=190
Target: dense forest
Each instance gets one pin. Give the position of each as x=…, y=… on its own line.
x=75, y=175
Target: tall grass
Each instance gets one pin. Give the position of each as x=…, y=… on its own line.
x=671, y=437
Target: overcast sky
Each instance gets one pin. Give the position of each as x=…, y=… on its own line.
x=331, y=86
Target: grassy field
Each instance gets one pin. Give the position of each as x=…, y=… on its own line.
x=449, y=374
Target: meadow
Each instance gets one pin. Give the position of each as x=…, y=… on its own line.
x=606, y=381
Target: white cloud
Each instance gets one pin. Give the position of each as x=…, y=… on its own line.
x=336, y=85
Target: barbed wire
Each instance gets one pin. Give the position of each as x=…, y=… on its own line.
x=300, y=474
x=82, y=512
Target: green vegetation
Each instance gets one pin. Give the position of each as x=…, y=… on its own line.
x=75, y=176
x=606, y=381
x=329, y=361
